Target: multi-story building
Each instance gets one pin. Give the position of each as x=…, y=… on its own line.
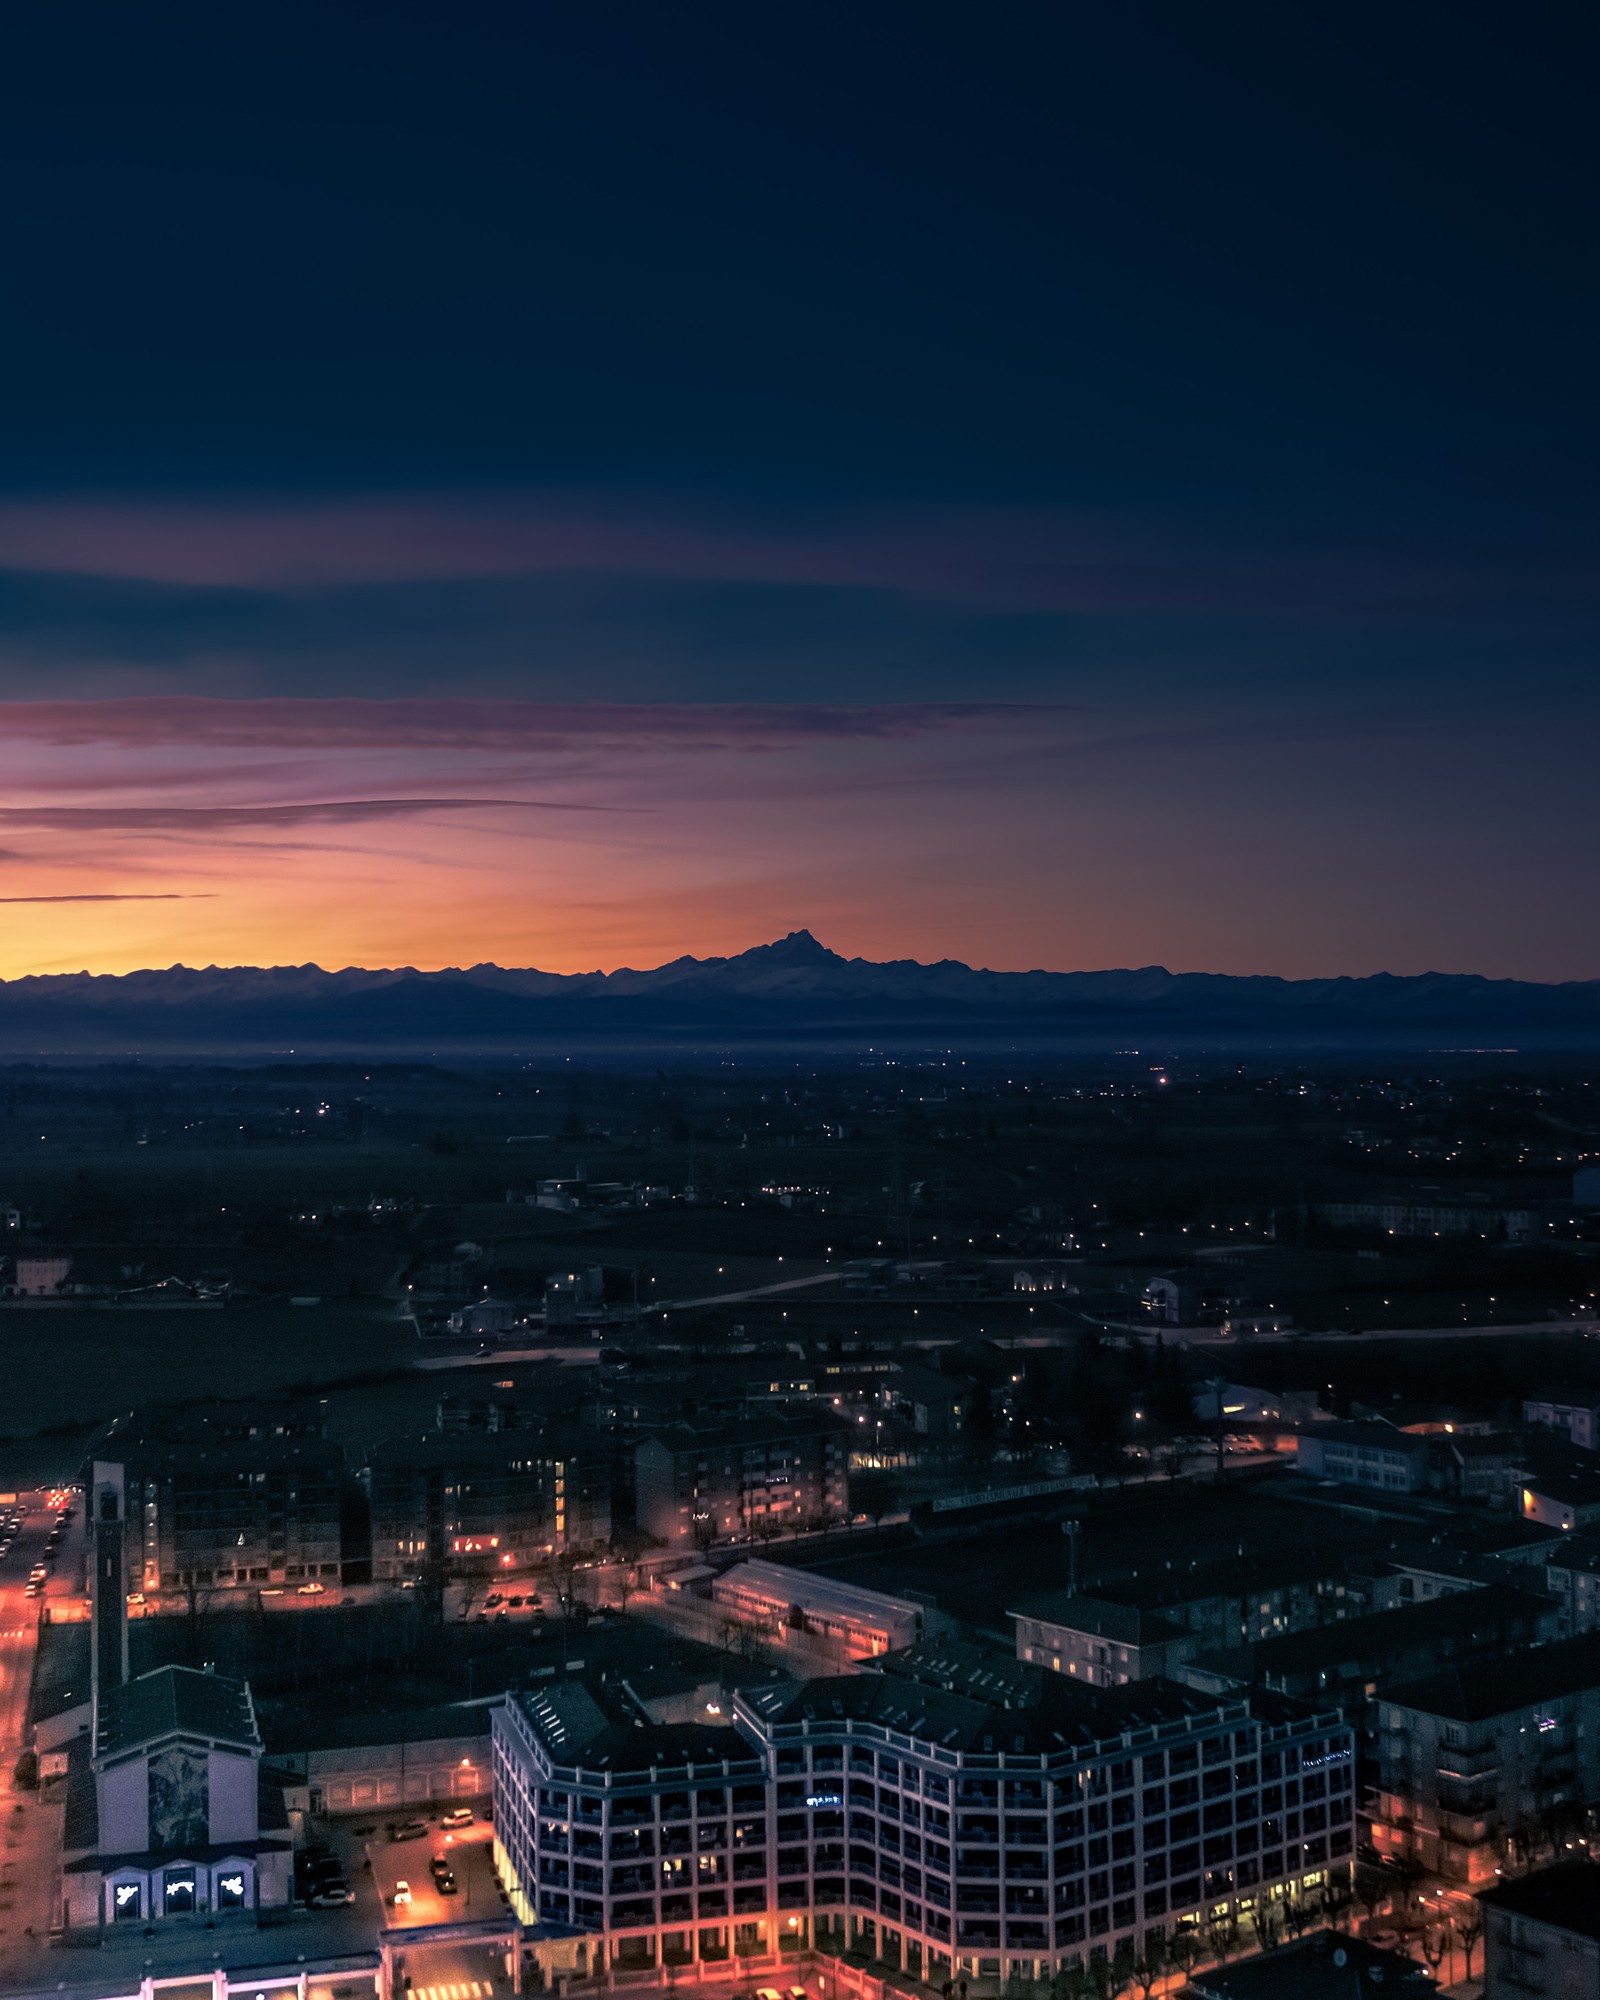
x=1571, y=1574
x=210, y=1512
x=1577, y=1418
x=723, y=1481
x=455, y=1502
x=1098, y=1641
x=1145, y=1627
x=1541, y=1935
x=1371, y=1455
x=940, y=1833
x=1472, y=1760
x=1344, y=1660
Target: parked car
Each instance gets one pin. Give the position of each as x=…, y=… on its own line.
x=402, y=1893
x=410, y=1829
x=457, y=1816
x=331, y=1896
x=444, y=1879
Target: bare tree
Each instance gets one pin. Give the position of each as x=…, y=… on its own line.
x=1469, y=1928
x=1222, y=1934
x=1149, y=1963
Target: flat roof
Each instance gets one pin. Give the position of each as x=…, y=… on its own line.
x=1475, y=1690
x=1567, y=1897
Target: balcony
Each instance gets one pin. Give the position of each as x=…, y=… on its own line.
x=1479, y=1763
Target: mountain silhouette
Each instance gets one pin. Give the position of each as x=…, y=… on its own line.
x=794, y=989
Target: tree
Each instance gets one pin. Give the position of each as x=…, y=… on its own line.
x=1337, y=1897
x=1222, y=1934
x=1469, y=1928
x=1298, y=1916
x=1149, y=1963
x=1183, y=1948
x=1371, y=1889
x=1266, y=1921
x=1433, y=1949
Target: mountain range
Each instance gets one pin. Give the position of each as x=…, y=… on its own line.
x=795, y=990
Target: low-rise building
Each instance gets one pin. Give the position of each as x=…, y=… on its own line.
x=1577, y=1418
x=168, y=1811
x=853, y=1623
x=1376, y=1456
x=1487, y=1754
x=1568, y=1498
x=1541, y=1935
x=1329, y=1965
x=1098, y=1641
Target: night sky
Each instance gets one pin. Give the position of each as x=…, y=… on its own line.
x=1070, y=485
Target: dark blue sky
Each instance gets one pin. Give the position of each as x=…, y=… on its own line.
x=1220, y=376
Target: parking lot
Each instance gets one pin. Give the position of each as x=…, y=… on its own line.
x=435, y=1874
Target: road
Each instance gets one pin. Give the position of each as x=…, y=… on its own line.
x=31, y=1820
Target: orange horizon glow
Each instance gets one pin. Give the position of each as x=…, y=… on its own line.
x=578, y=838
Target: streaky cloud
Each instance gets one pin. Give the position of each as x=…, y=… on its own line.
x=198, y=819
x=345, y=721
x=123, y=896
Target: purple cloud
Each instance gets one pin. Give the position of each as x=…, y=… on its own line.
x=201, y=819
x=344, y=722
x=1016, y=558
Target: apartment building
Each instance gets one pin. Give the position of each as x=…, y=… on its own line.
x=1571, y=1574
x=1541, y=1935
x=725, y=1480
x=1348, y=1659
x=215, y=1513
x=946, y=1835
x=1473, y=1759
x=455, y=1502
x=1145, y=1627
x=1098, y=1641
x=1576, y=1418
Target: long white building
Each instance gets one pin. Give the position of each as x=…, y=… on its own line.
x=940, y=1833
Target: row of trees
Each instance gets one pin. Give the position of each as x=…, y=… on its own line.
x=1261, y=1923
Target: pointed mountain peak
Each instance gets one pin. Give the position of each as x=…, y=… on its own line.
x=798, y=948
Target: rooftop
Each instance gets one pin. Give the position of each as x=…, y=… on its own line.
x=174, y=1701
x=1124, y=1624
x=815, y=1593
x=1475, y=1690
x=577, y=1730
x=1377, y=1436
x=1066, y=1717
x=1567, y=1897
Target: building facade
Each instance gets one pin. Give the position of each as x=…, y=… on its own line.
x=1541, y=1935
x=1476, y=1760
x=460, y=1503
x=216, y=1513
x=1097, y=1641
x=167, y=1815
x=725, y=1481
x=1371, y=1455
x=855, y=1624
x=937, y=1832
